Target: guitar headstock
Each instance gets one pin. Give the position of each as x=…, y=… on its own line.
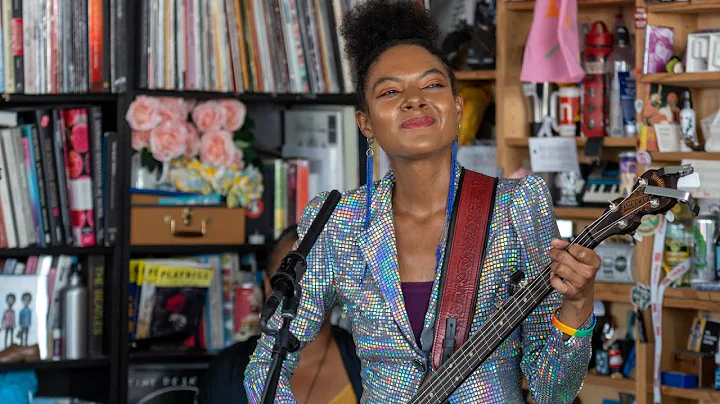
x=655, y=192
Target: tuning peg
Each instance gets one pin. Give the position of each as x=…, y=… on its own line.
x=670, y=216
x=638, y=237
x=689, y=182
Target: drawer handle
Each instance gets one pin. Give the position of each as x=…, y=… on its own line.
x=187, y=217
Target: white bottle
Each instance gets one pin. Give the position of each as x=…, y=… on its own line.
x=75, y=321
x=620, y=60
x=688, y=124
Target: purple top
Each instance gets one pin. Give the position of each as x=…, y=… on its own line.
x=417, y=300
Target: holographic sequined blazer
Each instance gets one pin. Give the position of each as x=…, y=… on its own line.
x=358, y=269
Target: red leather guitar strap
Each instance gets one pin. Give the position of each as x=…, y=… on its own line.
x=462, y=263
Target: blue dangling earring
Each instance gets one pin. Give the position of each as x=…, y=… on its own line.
x=369, y=153
x=453, y=167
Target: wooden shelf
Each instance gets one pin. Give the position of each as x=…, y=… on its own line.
x=475, y=75
x=686, y=298
x=676, y=298
x=617, y=142
x=678, y=156
x=28, y=252
x=627, y=385
x=339, y=99
x=692, y=7
x=613, y=292
x=33, y=100
x=530, y=5
x=690, y=80
x=63, y=365
x=138, y=250
x=171, y=357
x=708, y=395
x=578, y=213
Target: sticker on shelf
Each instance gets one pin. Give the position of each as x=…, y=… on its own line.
x=643, y=158
x=640, y=296
x=640, y=17
x=649, y=225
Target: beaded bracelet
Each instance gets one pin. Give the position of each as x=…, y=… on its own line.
x=571, y=331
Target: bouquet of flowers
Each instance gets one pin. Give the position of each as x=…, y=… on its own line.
x=204, y=147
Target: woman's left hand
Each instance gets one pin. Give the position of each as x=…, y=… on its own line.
x=574, y=278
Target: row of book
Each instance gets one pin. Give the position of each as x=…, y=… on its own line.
x=261, y=46
x=61, y=178
x=31, y=293
x=213, y=299
x=321, y=152
x=62, y=46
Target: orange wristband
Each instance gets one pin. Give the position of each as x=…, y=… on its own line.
x=572, y=331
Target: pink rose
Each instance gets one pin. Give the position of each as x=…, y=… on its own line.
x=172, y=109
x=208, y=116
x=193, y=141
x=238, y=160
x=143, y=113
x=168, y=141
x=140, y=140
x=235, y=112
x=217, y=148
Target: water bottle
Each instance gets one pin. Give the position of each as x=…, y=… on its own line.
x=74, y=317
x=621, y=61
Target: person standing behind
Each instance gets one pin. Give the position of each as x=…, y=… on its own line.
x=319, y=379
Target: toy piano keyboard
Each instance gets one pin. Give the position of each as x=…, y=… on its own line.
x=603, y=185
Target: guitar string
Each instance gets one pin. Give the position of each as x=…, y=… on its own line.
x=530, y=286
x=500, y=312
x=585, y=235
x=511, y=309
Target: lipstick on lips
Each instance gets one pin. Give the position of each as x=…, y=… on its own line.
x=418, y=122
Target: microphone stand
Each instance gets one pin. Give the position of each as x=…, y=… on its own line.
x=285, y=342
x=286, y=289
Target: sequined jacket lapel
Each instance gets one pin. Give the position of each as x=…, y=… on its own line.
x=377, y=244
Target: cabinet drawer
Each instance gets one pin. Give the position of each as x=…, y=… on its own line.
x=186, y=225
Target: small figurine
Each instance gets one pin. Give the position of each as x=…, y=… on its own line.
x=8, y=320
x=25, y=319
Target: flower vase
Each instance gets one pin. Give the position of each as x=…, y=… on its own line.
x=141, y=177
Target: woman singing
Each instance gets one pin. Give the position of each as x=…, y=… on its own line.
x=381, y=252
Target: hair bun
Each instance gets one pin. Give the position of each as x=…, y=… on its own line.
x=374, y=24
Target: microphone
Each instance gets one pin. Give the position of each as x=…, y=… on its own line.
x=293, y=266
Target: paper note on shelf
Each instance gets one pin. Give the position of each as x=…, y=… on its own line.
x=553, y=155
x=481, y=159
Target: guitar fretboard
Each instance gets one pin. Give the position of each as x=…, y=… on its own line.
x=506, y=318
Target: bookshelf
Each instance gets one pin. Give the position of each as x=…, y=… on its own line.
x=680, y=304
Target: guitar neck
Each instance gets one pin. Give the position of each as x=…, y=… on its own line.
x=483, y=343
x=496, y=329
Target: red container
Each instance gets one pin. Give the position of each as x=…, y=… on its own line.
x=598, y=45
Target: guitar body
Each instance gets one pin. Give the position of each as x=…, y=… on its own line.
x=654, y=193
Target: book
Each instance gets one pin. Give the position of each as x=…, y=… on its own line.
x=658, y=48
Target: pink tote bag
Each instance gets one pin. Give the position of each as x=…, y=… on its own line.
x=552, y=51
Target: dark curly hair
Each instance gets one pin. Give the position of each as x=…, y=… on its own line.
x=374, y=26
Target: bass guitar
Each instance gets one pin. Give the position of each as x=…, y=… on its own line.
x=655, y=192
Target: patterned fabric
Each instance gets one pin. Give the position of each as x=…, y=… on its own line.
x=358, y=268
